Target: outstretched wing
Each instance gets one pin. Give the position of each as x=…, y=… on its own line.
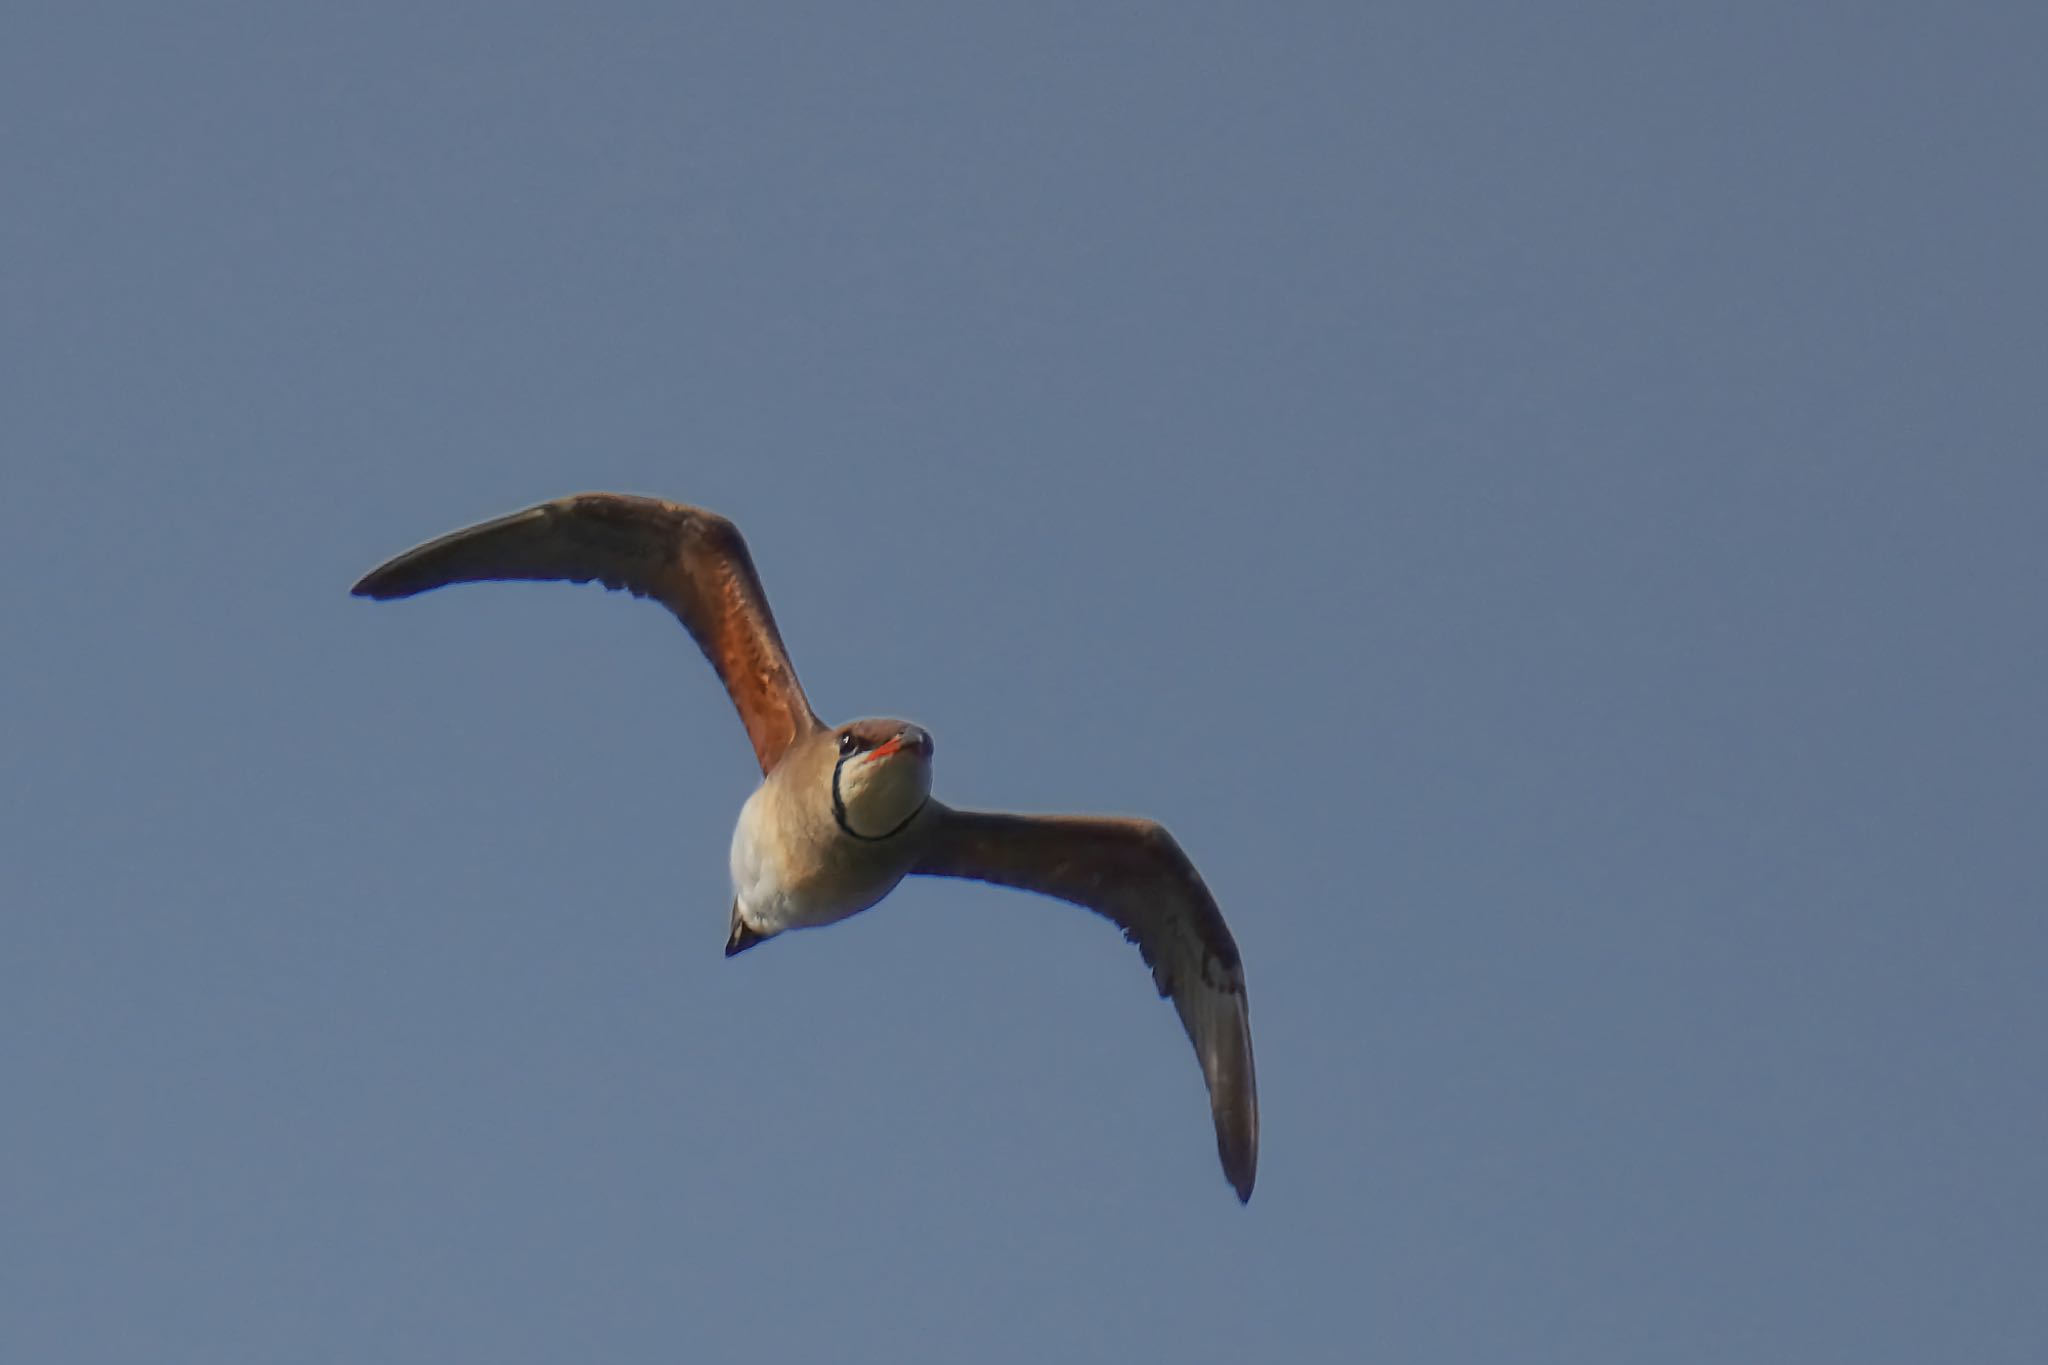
x=691, y=561
x=1132, y=872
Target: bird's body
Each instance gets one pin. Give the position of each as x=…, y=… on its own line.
x=794, y=866
x=791, y=870
x=844, y=813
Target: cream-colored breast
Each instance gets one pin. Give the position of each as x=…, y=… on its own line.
x=792, y=868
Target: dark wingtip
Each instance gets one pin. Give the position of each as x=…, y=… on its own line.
x=1237, y=1142
x=381, y=584
x=1241, y=1169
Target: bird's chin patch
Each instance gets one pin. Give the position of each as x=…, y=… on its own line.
x=881, y=794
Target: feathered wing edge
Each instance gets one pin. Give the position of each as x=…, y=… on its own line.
x=1133, y=873
x=692, y=561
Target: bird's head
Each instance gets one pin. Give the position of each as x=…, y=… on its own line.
x=881, y=776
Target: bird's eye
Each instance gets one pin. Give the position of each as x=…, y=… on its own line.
x=848, y=744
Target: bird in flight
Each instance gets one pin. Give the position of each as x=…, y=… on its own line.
x=845, y=812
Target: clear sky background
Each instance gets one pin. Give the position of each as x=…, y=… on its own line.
x=1547, y=502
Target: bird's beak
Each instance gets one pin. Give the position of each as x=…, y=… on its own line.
x=917, y=741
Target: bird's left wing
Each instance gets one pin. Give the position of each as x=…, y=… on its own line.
x=1133, y=873
x=691, y=561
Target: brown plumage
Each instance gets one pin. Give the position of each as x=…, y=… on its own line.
x=1133, y=873
x=844, y=813
x=691, y=561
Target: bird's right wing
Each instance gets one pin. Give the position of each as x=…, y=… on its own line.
x=691, y=561
x=1133, y=873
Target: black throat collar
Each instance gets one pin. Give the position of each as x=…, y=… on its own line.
x=839, y=813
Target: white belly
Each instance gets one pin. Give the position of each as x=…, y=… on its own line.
x=795, y=875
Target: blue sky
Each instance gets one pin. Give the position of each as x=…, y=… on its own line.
x=1546, y=502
